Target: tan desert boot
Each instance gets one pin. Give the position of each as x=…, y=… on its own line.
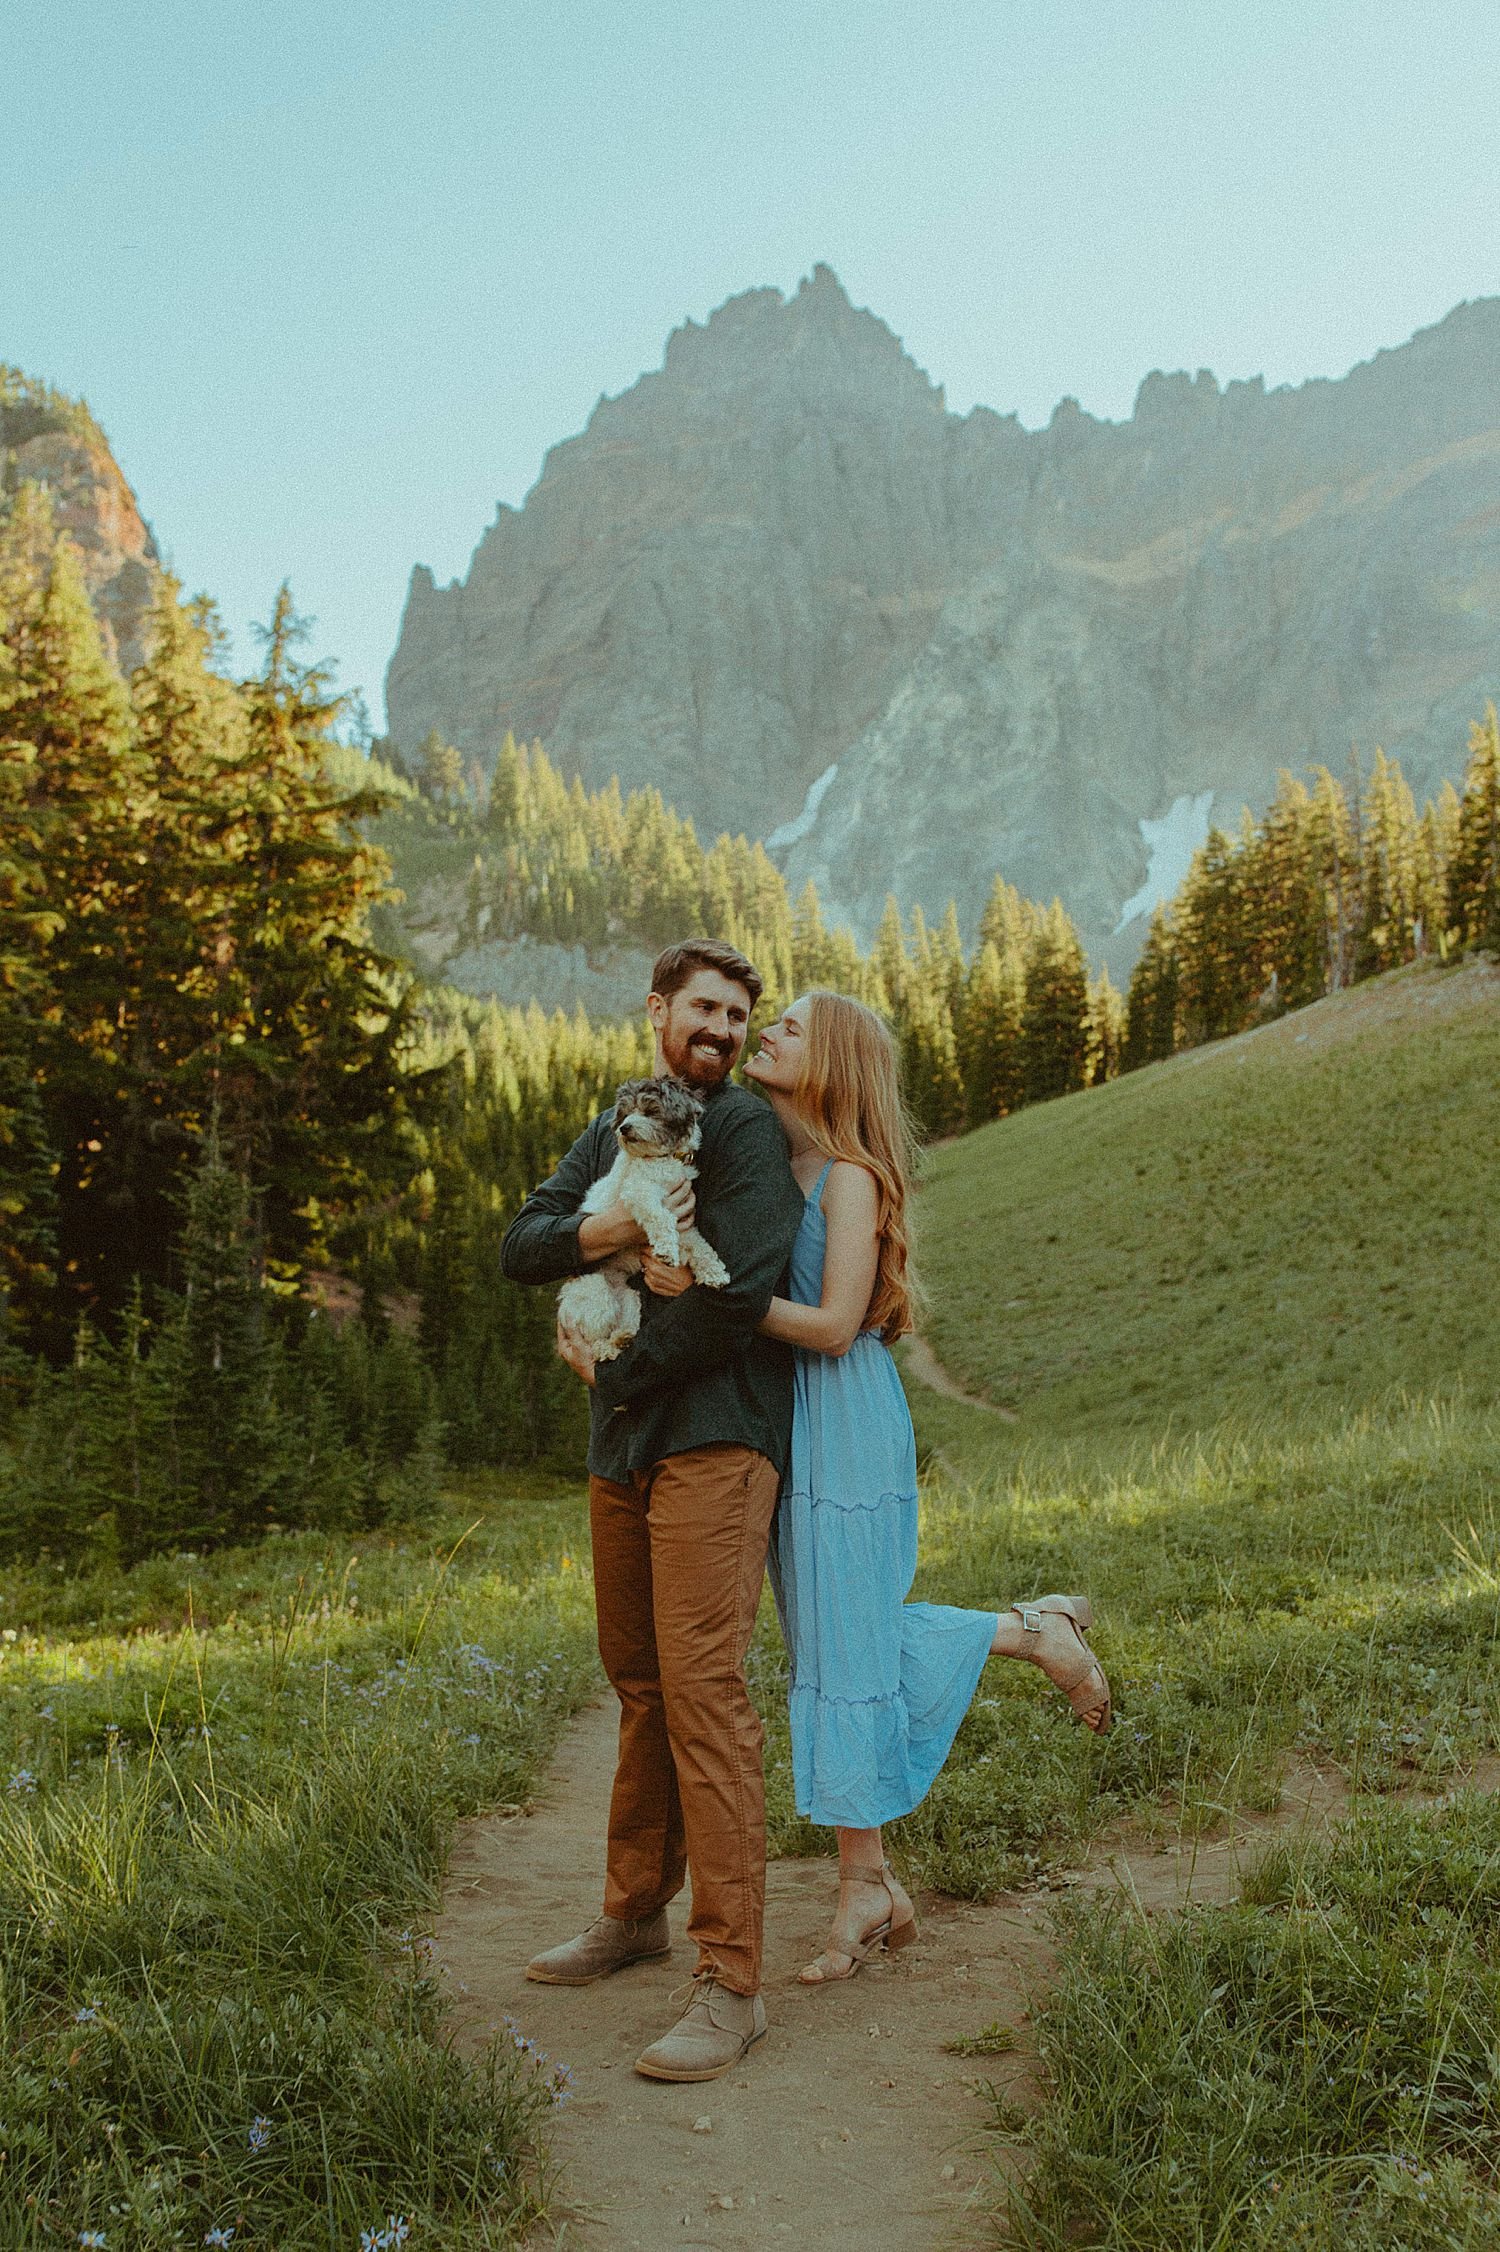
x=710, y=2037
x=607, y=1945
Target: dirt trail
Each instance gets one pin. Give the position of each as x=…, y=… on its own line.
x=851, y=2125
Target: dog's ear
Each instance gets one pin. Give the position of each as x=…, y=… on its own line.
x=627, y=1096
x=683, y=1099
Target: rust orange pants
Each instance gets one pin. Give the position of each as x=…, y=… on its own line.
x=679, y=1555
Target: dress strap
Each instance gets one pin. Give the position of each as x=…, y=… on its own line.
x=815, y=1193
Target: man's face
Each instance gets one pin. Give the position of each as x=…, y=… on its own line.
x=701, y=1029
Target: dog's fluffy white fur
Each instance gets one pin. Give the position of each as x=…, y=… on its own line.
x=656, y=1126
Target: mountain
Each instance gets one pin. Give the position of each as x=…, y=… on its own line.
x=50, y=440
x=779, y=580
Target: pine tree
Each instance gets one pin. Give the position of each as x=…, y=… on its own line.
x=1473, y=888
x=1151, y=1008
x=991, y=1060
x=1008, y=920
x=1335, y=844
x=505, y=811
x=27, y=927
x=1054, y=1036
x=810, y=950
x=440, y=769
x=888, y=959
x=75, y=780
x=1290, y=909
x=1392, y=904
x=1215, y=923
x=1106, y=1030
x=311, y=1086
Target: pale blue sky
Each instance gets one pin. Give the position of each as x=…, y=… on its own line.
x=334, y=276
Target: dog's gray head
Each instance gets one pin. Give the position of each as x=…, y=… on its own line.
x=657, y=1118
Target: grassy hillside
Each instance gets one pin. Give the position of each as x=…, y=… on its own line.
x=1303, y=1218
x=1287, y=1242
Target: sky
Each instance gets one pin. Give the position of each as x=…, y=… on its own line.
x=334, y=274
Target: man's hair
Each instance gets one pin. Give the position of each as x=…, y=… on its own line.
x=675, y=965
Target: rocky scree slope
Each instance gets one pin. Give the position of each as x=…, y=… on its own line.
x=780, y=555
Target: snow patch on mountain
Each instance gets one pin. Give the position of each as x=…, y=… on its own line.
x=792, y=832
x=1170, y=844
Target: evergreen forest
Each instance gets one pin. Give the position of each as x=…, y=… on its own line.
x=254, y=1171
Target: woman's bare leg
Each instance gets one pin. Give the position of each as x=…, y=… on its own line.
x=865, y=1904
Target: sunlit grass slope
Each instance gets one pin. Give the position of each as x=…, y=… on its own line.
x=1301, y=1219
x=1244, y=1309
x=225, y=1798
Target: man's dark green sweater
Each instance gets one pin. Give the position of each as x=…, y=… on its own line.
x=698, y=1374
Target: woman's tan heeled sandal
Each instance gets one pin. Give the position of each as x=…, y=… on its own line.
x=1085, y=1684
x=892, y=1933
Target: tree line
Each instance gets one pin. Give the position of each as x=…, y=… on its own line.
x=1014, y=1019
x=254, y=1174
x=1332, y=884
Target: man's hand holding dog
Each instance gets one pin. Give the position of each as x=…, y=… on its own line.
x=600, y=1234
x=570, y=1348
x=663, y=1279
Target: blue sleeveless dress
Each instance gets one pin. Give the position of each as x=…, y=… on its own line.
x=879, y=1685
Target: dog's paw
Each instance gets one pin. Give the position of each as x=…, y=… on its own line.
x=705, y=1262
x=661, y=1230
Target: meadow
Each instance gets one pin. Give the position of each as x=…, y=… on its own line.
x=1253, y=1381
x=1251, y=1341
x=1299, y=1219
x=228, y=1785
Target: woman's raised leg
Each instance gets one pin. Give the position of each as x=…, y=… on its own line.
x=1050, y=1634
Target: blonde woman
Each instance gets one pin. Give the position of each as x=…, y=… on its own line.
x=878, y=1685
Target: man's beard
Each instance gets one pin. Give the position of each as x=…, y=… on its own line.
x=699, y=1059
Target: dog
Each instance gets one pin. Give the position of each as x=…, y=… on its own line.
x=656, y=1126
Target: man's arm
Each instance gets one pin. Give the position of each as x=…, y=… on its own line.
x=753, y=1209
x=541, y=1244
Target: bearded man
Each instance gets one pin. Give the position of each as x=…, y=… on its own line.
x=689, y=1433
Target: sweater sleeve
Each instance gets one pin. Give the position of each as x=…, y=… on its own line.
x=750, y=1211
x=541, y=1243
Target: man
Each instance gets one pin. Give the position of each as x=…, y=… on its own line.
x=689, y=1433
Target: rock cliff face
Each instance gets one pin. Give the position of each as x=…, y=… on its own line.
x=780, y=581
x=49, y=440
x=718, y=584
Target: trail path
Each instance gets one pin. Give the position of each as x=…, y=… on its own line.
x=851, y=2126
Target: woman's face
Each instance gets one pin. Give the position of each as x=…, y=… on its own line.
x=777, y=1062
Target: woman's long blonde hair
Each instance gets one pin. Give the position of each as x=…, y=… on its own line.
x=849, y=1099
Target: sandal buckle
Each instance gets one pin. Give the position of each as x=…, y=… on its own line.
x=1031, y=1618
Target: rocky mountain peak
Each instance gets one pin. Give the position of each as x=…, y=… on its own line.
x=776, y=579
x=758, y=350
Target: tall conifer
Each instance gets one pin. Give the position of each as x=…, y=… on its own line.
x=1474, y=867
x=1151, y=1009
x=1054, y=1035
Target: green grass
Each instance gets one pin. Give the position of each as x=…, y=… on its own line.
x=1255, y=1378
x=225, y=1800
x=1315, y=2064
x=1244, y=1309
x=1334, y=1595
x=1288, y=1222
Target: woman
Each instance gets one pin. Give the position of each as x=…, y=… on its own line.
x=879, y=1685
